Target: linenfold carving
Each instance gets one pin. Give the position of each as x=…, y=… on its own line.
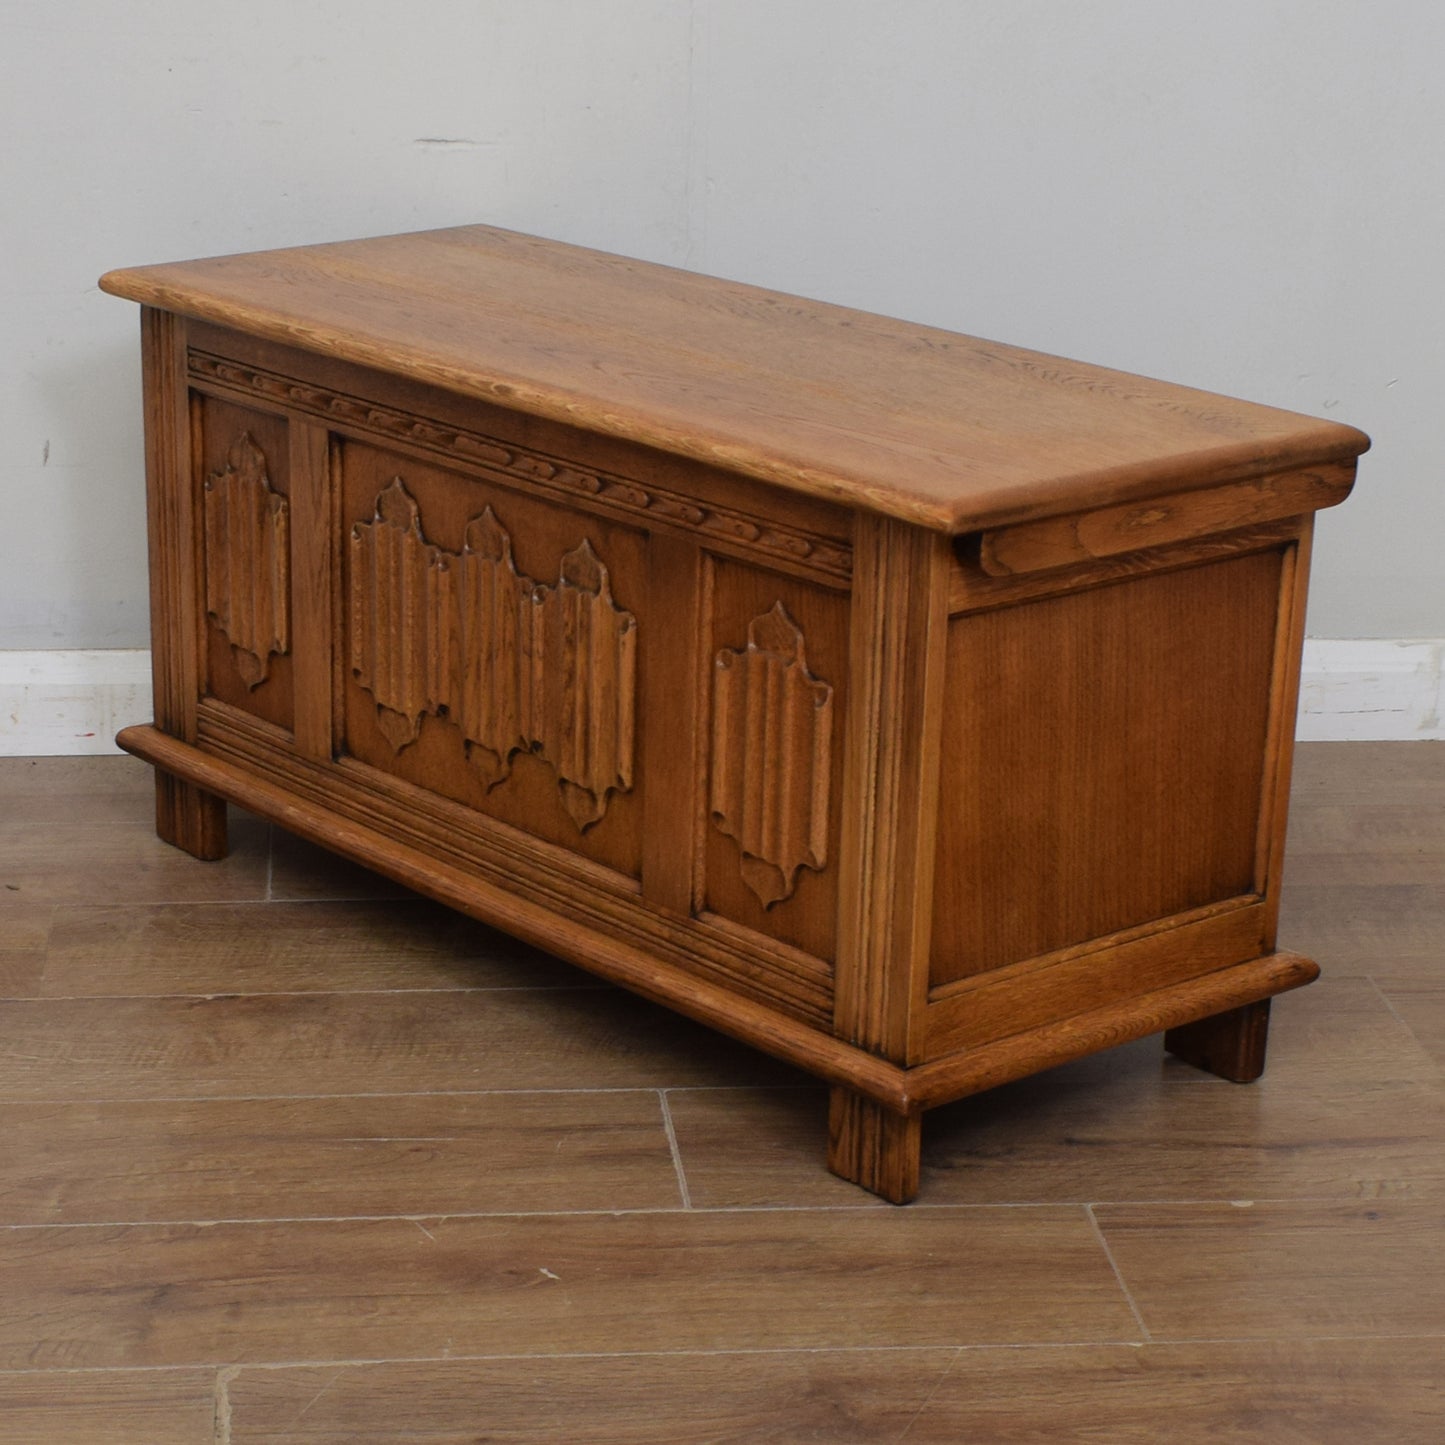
x=401, y=603
x=772, y=732
x=248, y=559
x=495, y=637
x=582, y=677
x=516, y=665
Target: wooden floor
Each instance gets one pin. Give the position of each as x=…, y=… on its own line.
x=289, y=1156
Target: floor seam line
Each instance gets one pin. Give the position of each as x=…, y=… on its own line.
x=1118, y=1274
x=676, y=1150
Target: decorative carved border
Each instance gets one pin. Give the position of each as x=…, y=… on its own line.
x=248, y=559
x=817, y=553
x=772, y=737
x=516, y=665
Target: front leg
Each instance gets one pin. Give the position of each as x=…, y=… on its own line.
x=1230, y=1044
x=190, y=818
x=872, y=1146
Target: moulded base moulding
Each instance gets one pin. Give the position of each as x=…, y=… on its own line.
x=873, y=1101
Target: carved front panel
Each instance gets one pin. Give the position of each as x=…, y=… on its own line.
x=489, y=657
x=777, y=664
x=244, y=516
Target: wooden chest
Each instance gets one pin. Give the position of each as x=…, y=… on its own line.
x=913, y=707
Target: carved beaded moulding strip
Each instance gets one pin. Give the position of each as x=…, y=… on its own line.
x=824, y=555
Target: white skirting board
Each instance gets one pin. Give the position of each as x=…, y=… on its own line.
x=1379, y=690
x=74, y=702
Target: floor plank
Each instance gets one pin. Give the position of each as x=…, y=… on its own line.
x=1293, y=1393
x=1369, y=773
x=405, y=1155
x=128, y=1407
x=1328, y=1392
x=1419, y=1002
x=284, y=1039
x=553, y=1284
x=1351, y=1106
x=1396, y=929
x=323, y=946
x=1338, y=1031
x=23, y=925
x=1284, y=1270
x=1053, y=1139
x=21, y=972
x=45, y=792
x=372, y=1043
x=121, y=863
x=1362, y=842
x=835, y=1398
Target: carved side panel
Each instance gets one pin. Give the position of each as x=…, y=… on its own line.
x=583, y=685
x=248, y=559
x=401, y=615
x=772, y=732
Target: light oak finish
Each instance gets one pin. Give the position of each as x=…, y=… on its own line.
x=1113, y=531
x=912, y=707
x=695, y=367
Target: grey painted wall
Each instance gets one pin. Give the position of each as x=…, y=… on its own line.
x=1248, y=197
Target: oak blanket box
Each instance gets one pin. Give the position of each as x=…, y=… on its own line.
x=916, y=708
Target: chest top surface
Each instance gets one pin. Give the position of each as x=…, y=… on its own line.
x=944, y=430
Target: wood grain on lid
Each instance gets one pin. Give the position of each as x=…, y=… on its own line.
x=937, y=428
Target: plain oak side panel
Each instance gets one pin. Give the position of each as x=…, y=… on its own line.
x=1279, y=747
x=1102, y=760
